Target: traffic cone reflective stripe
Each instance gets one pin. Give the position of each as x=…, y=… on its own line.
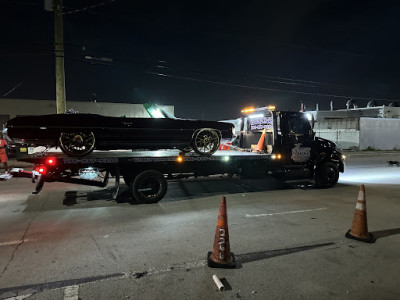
x=261, y=143
x=221, y=256
x=359, y=227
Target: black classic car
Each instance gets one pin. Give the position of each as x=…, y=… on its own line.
x=80, y=134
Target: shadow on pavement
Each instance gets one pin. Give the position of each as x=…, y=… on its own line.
x=185, y=189
x=385, y=233
x=226, y=284
x=206, y=187
x=254, y=256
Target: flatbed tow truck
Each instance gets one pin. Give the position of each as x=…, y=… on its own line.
x=289, y=150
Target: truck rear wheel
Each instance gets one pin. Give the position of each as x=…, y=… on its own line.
x=149, y=187
x=326, y=175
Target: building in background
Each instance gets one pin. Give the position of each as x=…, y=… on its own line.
x=359, y=128
x=10, y=108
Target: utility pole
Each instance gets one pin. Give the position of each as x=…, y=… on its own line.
x=59, y=55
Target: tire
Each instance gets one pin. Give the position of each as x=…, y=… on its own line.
x=326, y=175
x=77, y=143
x=206, y=141
x=149, y=187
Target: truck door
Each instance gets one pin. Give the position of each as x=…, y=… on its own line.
x=297, y=136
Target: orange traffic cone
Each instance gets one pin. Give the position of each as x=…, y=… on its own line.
x=221, y=256
x=359, y=228
x=261, y=143
x=225, y=146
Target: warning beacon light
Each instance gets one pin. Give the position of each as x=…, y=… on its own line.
x=249, y=110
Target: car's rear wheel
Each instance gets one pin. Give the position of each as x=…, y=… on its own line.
x=149, y=186
x=77, y=143
x=206, y=141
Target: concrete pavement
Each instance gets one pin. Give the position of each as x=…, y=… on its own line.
x=289, y=242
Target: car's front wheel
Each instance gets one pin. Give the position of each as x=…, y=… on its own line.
x=77, y=143
x=206, y=141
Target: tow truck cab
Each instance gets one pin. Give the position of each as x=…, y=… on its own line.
x=289, y=137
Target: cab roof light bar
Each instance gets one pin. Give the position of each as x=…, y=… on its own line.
x=248, y=110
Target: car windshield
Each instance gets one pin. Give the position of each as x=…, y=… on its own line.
x=156, y=111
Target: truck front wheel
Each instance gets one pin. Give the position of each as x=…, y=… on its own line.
x=149, y=186
x=326, y=175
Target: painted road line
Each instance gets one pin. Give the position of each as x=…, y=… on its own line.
x=19, y=297
x=16, y=242
x=285, y=213
x=71, y=292
x=61, y=284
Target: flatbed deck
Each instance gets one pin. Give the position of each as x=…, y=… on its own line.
x=149, y=154
x=166, y=161
x=146, y=172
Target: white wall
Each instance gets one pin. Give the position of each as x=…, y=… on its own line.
x=382, y=134
x=13, y=107
x=343, y=123
x=343, y=138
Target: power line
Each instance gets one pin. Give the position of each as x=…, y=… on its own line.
x=159, y=64
x=88, y=7
x=268, y=89
x=238, y=85
x=13, y=89
x=299, y=80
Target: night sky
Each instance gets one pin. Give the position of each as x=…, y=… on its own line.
x=208, y=58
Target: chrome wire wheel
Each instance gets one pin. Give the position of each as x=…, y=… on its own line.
x=206, y=141
x=77, y=143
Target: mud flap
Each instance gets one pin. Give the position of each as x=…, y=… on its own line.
x=39, y=184
x=116, y=186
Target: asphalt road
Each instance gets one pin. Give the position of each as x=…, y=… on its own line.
x=73, y=241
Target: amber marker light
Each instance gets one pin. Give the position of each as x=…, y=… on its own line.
x=271, y=107
x=279, y=156
x=248, y=110
x=179, y=159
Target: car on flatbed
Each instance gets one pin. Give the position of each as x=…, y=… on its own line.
x=80, y=134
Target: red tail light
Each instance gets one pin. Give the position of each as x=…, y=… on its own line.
x=41, y=169
x=51, y=161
